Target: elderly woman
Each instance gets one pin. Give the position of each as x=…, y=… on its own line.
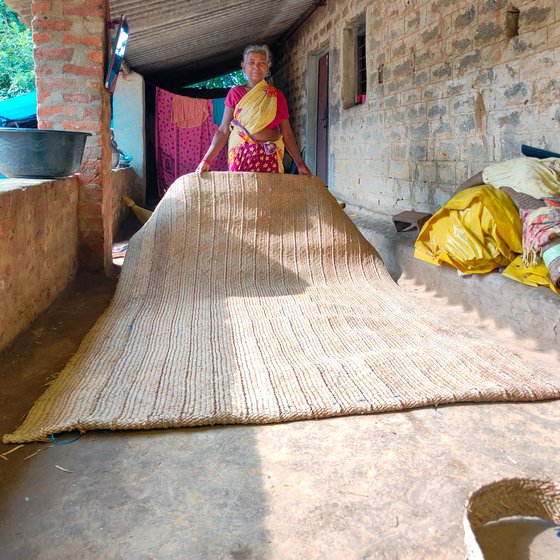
x=255, y=122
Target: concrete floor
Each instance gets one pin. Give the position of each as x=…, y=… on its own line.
x=385, y=486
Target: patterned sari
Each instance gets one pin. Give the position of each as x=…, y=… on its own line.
x=252, y=114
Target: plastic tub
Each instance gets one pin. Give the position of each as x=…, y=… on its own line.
x=39, y=153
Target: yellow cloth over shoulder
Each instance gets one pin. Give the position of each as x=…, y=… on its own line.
x=255, y=111
x=477, y=231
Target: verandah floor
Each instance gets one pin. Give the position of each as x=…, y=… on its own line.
x=376, y=486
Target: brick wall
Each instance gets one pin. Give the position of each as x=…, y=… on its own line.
x=457, y=94
x=39, y=243
x=38, y=248
x=69, y=39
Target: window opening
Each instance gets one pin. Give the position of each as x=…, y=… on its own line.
x=354, y=55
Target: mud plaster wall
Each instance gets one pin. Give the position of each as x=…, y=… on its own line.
x=38, y=248
x=457, y=94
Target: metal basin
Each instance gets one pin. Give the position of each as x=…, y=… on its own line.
x=40, y=154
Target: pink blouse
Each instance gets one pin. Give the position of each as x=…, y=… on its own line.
x=237, y=92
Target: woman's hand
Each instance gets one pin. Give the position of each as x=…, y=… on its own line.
x=303, y=169
x=203, y=166
x=292, y=147
x=219, y=140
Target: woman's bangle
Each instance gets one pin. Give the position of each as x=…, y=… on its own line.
x=206, y=161
x=300, y=164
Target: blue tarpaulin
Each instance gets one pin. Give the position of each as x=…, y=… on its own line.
x=20, y=108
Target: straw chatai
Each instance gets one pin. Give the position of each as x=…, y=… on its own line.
x=252, y=298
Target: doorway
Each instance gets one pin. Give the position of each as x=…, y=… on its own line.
x=322, y=132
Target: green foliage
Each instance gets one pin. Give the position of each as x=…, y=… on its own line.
x=16, y=55
x=226, y=81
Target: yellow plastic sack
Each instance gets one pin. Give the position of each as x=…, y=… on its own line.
x=477, y=231
x=530, y=275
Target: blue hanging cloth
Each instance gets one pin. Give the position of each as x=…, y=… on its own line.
x=218, y=110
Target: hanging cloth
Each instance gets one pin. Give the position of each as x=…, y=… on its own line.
x=218, y=108
x=179, y=150
x=188, y=112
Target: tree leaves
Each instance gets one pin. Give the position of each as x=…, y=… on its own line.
x=235, y=78
x=16, y=55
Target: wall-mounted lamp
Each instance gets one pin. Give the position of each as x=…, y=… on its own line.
x=117, y=53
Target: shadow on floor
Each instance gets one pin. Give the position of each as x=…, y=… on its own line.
x=192, y=493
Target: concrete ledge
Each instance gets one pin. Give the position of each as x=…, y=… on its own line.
x=122, y=181
x=531, y=313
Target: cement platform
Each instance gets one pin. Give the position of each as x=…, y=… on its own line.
x=531, y=313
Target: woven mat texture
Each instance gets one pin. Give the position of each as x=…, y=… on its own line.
x=253, y=298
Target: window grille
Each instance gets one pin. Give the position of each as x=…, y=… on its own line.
x=361, y=59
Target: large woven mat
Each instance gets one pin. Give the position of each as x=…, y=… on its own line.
x=252, y=298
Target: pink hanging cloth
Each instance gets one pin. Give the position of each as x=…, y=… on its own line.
x=178, y=149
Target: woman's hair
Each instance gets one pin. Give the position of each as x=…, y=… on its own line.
x=258, y=49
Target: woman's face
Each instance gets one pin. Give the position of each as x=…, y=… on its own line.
x=255, y=66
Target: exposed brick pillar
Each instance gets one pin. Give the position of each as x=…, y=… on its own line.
x=69, y=40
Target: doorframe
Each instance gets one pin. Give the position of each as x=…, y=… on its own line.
x=312, y=93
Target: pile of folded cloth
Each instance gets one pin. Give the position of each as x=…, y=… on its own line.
x=511, y=221
x=541, y=239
